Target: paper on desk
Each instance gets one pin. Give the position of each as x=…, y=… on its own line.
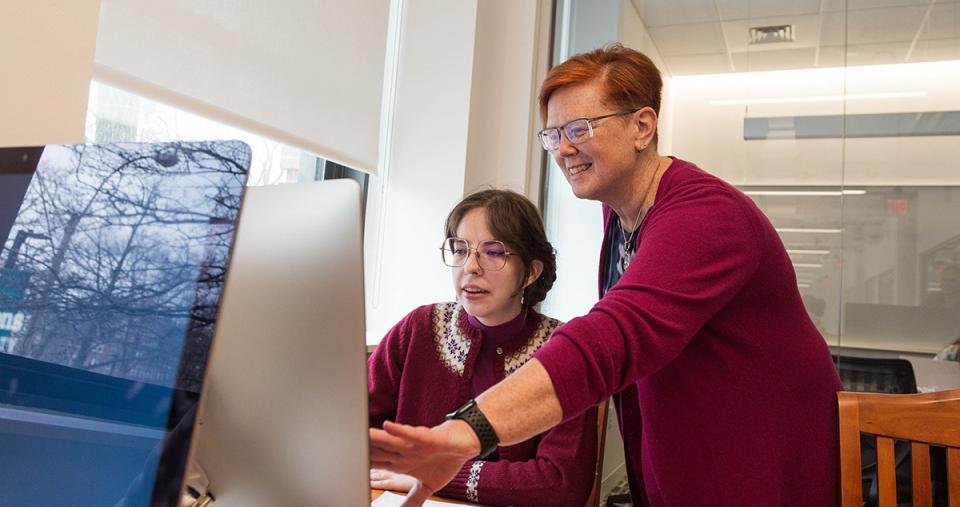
x=389, y=499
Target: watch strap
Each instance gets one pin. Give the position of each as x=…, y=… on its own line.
x=471, y=414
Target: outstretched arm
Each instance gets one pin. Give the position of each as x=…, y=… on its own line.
x=559, y=471
x=435, y=455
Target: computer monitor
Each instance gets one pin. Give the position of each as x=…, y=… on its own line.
x=112, y=261
x=283, y=417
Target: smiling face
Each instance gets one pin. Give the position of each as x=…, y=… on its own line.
x=493, y=297
x=602, y=167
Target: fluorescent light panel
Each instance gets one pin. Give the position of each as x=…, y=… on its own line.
x=808, y=252
x=818, y=98
x=812, y=231
x=807, y=265
x=836, y=193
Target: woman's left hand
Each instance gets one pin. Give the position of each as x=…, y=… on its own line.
x=384, y=479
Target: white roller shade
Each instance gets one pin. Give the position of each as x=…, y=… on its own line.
x=46, y=52
x=305, y=73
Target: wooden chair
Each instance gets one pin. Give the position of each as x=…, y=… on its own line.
x=594, y=499
x=923, y=419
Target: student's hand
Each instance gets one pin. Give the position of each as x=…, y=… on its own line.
x=433, y=456
x=385, y=479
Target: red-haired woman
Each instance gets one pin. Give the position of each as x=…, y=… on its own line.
x=725, y=390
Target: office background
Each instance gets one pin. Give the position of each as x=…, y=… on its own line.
x=839, y=117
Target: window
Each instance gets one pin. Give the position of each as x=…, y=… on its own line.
x=115, y=115
x=894, y=250
x=846, y=138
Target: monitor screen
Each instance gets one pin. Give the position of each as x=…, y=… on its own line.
x=111, y=269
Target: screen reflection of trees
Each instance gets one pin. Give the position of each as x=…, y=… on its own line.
x=122, y=257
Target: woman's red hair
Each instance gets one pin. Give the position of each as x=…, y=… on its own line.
x=630, y=80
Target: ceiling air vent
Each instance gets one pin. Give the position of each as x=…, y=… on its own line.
x=769, y=34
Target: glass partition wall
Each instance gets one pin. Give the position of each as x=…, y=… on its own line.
x=840, y=119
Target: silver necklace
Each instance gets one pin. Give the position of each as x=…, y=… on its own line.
x=626, y=248
x=627, y=238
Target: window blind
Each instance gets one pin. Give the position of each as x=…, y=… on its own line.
x=305, y=73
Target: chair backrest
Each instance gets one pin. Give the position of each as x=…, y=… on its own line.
x=594, y=499
x=923, y=419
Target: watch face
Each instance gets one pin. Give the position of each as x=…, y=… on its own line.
x=462, y=410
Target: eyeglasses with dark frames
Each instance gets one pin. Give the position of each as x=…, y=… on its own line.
x=577, y=131
x=491, y=254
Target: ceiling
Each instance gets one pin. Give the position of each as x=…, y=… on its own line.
x=712, y=36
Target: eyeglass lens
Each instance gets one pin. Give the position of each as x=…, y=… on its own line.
x=492, y=254
x=576, y=131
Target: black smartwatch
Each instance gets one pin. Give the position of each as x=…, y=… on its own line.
x=471, y=413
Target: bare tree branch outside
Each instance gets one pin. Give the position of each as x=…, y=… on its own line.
x=116, y=260
x=112, y=266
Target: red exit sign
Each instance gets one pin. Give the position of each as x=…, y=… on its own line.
x=898, y=206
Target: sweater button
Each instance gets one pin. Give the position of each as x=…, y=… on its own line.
x=499, y=351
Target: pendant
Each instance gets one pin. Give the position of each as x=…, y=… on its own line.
x=626, y=255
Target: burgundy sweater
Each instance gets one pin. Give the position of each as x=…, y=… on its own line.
x=725, y=390
x=434, y=360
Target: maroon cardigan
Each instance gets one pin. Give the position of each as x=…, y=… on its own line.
x=706, y=341
x=423, y=369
